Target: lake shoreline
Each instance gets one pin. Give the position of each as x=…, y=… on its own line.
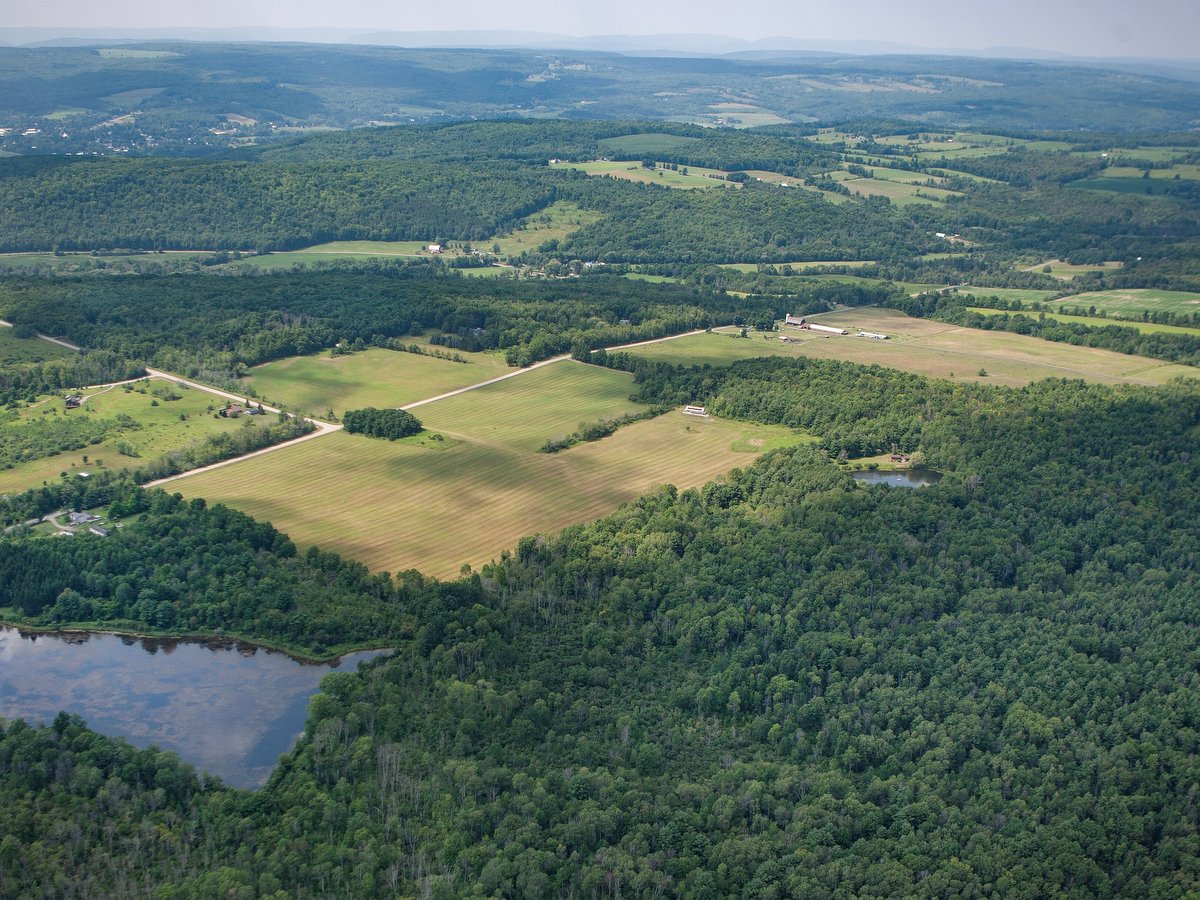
x=218, y=641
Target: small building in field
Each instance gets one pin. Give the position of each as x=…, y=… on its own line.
x=82, y=518
x=873, y=335
x=73, y=401
x=99, y=531
x=232, y=411
x=693, y=410
x=434, y=248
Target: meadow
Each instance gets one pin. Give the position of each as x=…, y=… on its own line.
x=15, y=351
x=374, y=377
x=1066, y=271
x=926, y=347
x=436, y=505
x=1095, y=322
x=1131, y=303
x=632, y=170
x=165, y=425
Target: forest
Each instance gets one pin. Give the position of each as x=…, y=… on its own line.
x=780, y=685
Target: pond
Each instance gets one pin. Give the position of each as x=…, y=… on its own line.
x=227, y=708
x=905, y=478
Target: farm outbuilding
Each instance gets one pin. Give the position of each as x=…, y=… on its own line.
x=801, y=322
x=693, y=410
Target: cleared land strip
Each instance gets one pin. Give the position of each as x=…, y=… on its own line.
x=472, y=387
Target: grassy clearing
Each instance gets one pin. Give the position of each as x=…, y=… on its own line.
x=1130, y=304
x=927, y=348
x=632, y=170
x=1023, y=294
x=67, y=112
x=1142, y=187
x=1095, y=322
x=646, y=144
x=396, y=505
x=127, y=53
x=522, y=413
x=800, y=266
x=556, y=222
x=374, y=377
x=901, y=193
x=167, y=426
x=15, y=351
x=1185, y=172
x=1066, y=271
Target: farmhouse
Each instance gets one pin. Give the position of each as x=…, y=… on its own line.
x=73, y=401
x=434, y=248
x=82, y=518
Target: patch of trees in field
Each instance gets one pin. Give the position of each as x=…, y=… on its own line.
x=782, y=684
x=389, y=424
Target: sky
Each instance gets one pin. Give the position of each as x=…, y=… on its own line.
x=1151, y=29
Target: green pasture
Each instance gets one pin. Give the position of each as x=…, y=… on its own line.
x=374, y=377
x=1095, y=322
x=1066, y=271
x=1131, y=303
x=165, y=425
x=632, y=170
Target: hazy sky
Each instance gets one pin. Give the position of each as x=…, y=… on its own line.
x=1151, y=28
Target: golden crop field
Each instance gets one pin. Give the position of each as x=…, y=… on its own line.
x=928, y=348
x=435, y=505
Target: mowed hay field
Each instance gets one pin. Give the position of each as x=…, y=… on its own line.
x=928, y=348
x=1133, y=302
x=374, y=377
x=402, y=505
x=1093, y=322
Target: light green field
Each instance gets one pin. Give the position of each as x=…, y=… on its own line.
x=15, y=351
x=652, y=279
x=162, y=430
x=556, y=222
x=1094, y=322
x=522, y=413
x=927, y=348
x=1066, y=271
x=1130, y=304
x=900, y=176
x=645, y=145
x=899, y=193
x=800, y=266
x=374, y=377
x=1185, y=172
x=67, y=112
x=394, y=505
x=632, y=170
x=127, y=53
x=1022, y=294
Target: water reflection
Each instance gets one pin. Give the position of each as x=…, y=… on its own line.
x=225, y=707
x=906, y=478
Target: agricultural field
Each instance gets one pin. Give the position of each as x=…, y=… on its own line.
x=898, y=192
x=165, y=425
x=438, y=504
x=1131, y=303
x=800, y=266
x=647, y=145
x=374, y=377
x=1144, y=187
x=925, y=347
x=1094, y=322
x=1066, y=271
x=15, y=351
x=632, y=170
x=1025, y=295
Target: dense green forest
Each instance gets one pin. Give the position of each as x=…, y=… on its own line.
x=193, y=324
x=783, y=684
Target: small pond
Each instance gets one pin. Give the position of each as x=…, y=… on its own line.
x=227, y=708
x=905, y=478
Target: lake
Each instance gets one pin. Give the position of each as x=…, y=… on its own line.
x=227, y=708
x=905, y=478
